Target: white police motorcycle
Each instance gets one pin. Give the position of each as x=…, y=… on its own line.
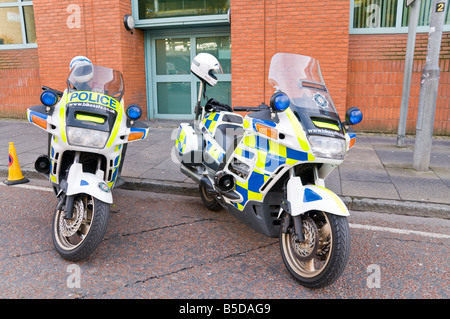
x=88, y=129
x=268, y=169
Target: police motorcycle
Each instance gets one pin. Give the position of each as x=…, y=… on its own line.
x=88, y=131
x=268, y=168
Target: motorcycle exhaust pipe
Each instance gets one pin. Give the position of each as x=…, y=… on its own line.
x=224, y=183
x=192, y=175
x=199, y=179
x=42, y=164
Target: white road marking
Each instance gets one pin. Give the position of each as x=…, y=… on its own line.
x=357, y=226
x=399, y=231
x=39, y=188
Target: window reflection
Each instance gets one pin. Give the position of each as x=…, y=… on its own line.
x=10, y=28
x=30, y=28
x=149, y=9
x=174, y=98
x=172, y=56
x=220, y=47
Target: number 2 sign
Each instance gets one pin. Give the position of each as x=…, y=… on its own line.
x=440, y=7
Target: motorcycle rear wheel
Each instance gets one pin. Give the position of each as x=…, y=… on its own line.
x=75, y=239
x=322, y=257
x=208, y=200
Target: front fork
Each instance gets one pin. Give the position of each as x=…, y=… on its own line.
x=302, y=198
x=66, y=201
x=297, y=220
x=286, y=206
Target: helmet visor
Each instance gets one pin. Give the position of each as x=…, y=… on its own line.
x=217, y=69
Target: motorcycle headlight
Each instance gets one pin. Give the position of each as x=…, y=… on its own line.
x=85, y=137
x=327, y=147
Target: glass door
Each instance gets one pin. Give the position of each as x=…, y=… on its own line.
x=174, y=89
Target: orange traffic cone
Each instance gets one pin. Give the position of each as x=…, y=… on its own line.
x=14, y=173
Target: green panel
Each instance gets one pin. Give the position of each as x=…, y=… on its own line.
x=424, y=14
x=150, y=9
x=174, y=98
x=172, y=56
x=375, y=14
x=10, y=26
x=220, y=92
x=218, y=46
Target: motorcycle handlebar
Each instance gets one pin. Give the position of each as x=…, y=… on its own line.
x=260, y=107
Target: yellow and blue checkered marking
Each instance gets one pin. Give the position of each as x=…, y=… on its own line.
x=211, y=121
x=215, y=152
x=270, y=156
x=244, y=153
x=180, y=143
x=250, y=189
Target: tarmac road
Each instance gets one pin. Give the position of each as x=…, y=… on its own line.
x=162, y=246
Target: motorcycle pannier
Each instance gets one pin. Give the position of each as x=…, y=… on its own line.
x=188, y=145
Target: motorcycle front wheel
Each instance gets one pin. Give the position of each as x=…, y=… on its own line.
x=320, y=259
x=76, y=238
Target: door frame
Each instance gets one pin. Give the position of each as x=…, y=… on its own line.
x=150, y=37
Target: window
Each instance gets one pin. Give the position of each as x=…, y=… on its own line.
x=149, y=9
x=175, y=89
x=17, y=28
x=174, y=13
x=389, y=16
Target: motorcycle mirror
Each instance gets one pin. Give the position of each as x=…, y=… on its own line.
x=279, y=101
x=353, y=116
x=49, y=98
x=134, y=112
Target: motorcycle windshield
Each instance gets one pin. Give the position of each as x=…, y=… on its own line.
x=93, y=102
x=98, y=79
x=301, y=79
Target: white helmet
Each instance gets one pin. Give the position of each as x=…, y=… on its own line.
x=81, y=68
x=204, y=66
x=82, y=60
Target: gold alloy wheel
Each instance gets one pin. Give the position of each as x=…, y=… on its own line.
x=302, y=257
x=70, y=233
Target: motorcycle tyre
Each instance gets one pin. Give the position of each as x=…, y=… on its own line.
x=337, y=262
x=94, y=237
x=208, y=200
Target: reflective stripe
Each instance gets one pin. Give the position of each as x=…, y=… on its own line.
x=94, y=119
x=326, y=125
x=298, y=130
x=116, y=127
x=62, y=120
x=181, y=140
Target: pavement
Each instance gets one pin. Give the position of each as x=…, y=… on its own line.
x=375, y=176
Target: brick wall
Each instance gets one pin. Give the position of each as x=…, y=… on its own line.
x=20, y=85
x=375, y=81
x=259, y=29
x=360, y=70
x=100, y=35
